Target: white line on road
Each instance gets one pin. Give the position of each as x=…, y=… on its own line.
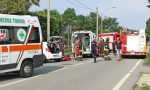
x=77, y=64
x=19, y=81
x=120, y=83
x=29, y=78
x=58, y=70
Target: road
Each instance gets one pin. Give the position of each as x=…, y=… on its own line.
x=78, y=75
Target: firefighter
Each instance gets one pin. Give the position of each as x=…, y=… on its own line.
x=106, y=49
x=80, y=48
x=76, y=44
x=94, y=51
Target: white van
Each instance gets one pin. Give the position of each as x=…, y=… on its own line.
x=20, y=44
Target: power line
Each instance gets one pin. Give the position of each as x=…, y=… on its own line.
x=74, y=4
x=84, y=5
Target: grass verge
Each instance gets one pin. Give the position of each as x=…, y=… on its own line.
x=145, y=88
x=148, y=59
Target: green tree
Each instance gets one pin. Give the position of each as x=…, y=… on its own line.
x=55, y=23
x=110, y=25
x=16, y=6
x=69, y=17
x=148, y=24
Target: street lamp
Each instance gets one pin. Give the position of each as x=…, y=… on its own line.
x=102, y=18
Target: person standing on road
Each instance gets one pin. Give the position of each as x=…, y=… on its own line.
x=119, y=47
x=94, y=51
x=76, y=50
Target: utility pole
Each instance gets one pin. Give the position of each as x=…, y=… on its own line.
x=97, y=22
x=48, y=19
x=101, y=24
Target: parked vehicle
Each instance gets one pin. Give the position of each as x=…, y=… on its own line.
x=52, y=49
x=134, y=43
x=20, y=44
x=112, y=37
x=86, y=37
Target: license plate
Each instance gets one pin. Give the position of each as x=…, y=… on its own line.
x=56, y=55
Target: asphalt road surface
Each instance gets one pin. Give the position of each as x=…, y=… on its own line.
x=78, y=75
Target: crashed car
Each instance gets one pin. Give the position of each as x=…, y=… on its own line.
x=52, y=49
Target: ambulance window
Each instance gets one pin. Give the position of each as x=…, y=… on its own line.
x=19, y=35
x=35, y=37
x=5, y=35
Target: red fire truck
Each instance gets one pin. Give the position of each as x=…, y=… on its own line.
x=111, y=36
x=134, y=43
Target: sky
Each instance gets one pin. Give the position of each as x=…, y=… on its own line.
x=132, y=14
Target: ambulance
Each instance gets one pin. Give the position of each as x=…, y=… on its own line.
x=20, y=44
x=134, y=43
x=112, y=37
x=87, y=37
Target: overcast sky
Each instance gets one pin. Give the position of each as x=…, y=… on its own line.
x=130, y=13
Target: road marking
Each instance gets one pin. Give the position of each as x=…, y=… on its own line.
x=120, y=83
x=29, y=78
x=58, y=70
x=77, y=64
x=19, y=81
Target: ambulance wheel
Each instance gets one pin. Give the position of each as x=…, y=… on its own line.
x=26, y=69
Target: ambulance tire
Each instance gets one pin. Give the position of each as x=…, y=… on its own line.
x=26, y=69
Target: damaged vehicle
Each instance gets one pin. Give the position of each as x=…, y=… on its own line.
x=52, y=49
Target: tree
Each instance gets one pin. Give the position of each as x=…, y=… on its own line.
x=148, y=26
x=148, y=23
x=69, y=17
x=110, y=25
x=149, y=3
x=16, y=6
x=55, y=23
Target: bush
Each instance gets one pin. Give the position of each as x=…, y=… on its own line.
x=148, y=59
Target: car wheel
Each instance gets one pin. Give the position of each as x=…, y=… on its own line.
x=26, y=69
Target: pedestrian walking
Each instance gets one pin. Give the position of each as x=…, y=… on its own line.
x=94, y=51
x=119, y=49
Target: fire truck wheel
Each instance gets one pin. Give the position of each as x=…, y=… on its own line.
x=26, y=69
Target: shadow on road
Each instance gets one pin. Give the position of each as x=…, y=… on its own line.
x=37, y=71
x=133, y=57
x=46, y=69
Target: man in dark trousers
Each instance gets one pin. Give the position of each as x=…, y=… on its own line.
x=94, y=51
x=119, y=47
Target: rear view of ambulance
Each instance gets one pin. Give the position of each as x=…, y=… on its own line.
x=20, y=44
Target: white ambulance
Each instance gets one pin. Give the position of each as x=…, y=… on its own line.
x=87, y=37
x=20, y=44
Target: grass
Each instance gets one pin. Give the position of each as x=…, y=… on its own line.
x=148, y=59
x=145, y=88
